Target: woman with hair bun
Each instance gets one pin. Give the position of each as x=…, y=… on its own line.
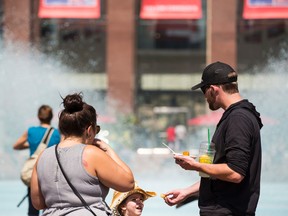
x=90, y=164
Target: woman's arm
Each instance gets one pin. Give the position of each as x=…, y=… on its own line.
x=109, y=151
x=21, y=143
x=36, y=194
x=108, y=167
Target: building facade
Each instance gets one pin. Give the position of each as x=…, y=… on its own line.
x=141, y=63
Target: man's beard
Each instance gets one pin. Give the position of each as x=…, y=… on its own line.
x=212, y=106
x=212, y=102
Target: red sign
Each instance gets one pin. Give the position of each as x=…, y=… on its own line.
x=78, y=9
x=265, y=9
x=171, y=9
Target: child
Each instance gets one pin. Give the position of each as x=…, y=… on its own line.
x=130, y=203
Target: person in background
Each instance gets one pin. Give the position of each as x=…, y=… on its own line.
x=233, y=187
x=32, y=138
x=90, y=164
x=170, y=136
x=130, y=203
x=180, y=132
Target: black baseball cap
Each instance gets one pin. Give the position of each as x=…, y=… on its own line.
x=216, y=73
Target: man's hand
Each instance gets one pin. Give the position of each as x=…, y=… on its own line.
x=186, y=162
x=174, y=197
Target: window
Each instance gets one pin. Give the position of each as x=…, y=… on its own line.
x=79, y=43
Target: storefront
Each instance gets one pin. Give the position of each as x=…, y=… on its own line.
x=146, y=54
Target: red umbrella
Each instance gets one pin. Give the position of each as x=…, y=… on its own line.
x=268, y=121
x=106, y=119
x=212, y=118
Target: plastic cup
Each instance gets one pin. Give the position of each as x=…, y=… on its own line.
x=206, y=155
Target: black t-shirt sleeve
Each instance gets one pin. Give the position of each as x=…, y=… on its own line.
x=238, y=143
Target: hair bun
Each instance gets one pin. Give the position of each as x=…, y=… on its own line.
x=73, y=103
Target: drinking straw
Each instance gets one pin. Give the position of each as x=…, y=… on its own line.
x=209, y=139
x=169, y=148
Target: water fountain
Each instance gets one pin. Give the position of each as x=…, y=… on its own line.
x=267, y=91
x=31, y=79
x=28, y=80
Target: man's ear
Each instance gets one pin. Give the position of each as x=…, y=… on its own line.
x=214, y=90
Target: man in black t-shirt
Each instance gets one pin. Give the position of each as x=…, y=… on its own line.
x=233, y=187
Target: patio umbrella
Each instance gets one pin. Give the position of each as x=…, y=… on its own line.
x=106, y=119
x=212, y=118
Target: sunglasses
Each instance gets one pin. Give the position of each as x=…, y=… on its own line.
x=205, y=88
x=97, y=129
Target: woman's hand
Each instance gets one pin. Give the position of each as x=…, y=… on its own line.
x=100, y=144
x=112, y=171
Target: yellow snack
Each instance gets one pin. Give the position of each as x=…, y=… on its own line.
x=186, y=153
x=205, y=159
x=168, y=196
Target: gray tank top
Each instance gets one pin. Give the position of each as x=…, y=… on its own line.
x=59, y=197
